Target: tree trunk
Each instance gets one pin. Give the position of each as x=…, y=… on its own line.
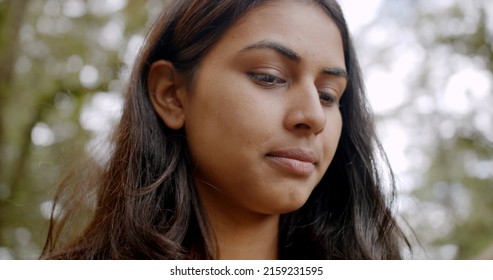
x=11, y=19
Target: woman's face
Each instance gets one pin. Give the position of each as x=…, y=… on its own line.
x=262, y=120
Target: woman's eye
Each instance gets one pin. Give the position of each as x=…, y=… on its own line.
x=267, y=80
x=328, y=99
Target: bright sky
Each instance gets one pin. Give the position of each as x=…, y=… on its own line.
x=359, y=12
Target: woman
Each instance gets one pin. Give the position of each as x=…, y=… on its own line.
x=245, y=135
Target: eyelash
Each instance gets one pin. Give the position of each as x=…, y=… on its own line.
x=328, y=98
x=272, y=81
x=267, y=80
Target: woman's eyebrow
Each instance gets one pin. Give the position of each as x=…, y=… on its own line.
x=279, y=48
x=292, y=55
x=336, y=71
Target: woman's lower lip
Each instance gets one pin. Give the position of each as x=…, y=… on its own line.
x=293, y=166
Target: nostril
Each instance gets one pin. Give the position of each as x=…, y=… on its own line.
x=302, y=126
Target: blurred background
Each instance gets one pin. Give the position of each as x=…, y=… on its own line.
x=428, y=69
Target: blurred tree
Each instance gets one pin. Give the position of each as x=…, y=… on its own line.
x=56, y=58
x=465, y=161
x=437, y=59
x=11, y=17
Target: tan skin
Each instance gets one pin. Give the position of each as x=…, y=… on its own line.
x=262, y=120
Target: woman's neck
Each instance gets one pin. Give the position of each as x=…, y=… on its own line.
x=247, y=239
x=241, y=233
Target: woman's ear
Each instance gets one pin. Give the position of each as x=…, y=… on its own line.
x=166, y=93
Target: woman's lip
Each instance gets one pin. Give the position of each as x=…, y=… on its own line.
x=295, y=154
x=294, y=161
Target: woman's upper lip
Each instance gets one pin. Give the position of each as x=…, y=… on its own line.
x=299, y=154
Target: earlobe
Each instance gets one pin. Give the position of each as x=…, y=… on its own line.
x=164, y=87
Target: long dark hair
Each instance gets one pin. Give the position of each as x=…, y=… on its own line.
x=147, y=206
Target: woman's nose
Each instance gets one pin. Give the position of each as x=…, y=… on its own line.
x=306, y=113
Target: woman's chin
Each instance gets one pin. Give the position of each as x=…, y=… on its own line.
x=287, y=204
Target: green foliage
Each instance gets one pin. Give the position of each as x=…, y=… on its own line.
x=447, y=114
x=56, y=56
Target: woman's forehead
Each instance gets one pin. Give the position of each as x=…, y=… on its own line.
x=306, y=31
